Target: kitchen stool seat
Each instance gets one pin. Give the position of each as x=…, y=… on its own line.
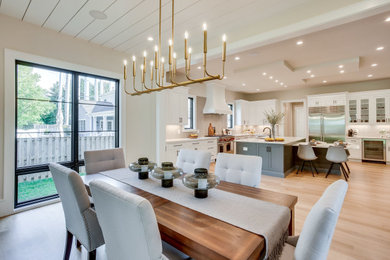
x=306, y=154
x=337, y=155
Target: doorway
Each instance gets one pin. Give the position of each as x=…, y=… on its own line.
x=295, y=118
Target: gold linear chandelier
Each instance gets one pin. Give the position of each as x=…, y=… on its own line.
x=157, y=71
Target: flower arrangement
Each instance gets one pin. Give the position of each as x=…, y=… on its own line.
x=273, y=119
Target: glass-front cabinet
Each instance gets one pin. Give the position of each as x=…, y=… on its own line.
x=359, y=110
x=353, y=116
x=365, y=110
x=380, y=110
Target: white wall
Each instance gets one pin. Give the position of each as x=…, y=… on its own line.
x=139, y=138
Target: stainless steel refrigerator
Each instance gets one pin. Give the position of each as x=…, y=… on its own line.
x=327, y=124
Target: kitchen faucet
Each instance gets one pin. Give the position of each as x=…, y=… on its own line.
x=270, y=131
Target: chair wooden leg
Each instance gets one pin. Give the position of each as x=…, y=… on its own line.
x=92, y=255
x=330, y=168
x=344, y=171
x=311, y=168
x=78, y=244
x=346, y=164
x=303, y=165
x=68, y=245
x=315, y=168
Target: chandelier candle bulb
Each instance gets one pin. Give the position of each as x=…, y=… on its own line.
x=224, y=48
x=170, y=52
x=133, y=66
x=124, y=69
x=204, y=38
x=186, y=45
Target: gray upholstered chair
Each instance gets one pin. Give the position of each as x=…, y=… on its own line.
x=129, y=225
x=81, y=220
x=306, y=154
x=189, y=160
x=337, y=155
x=104, y=160
x=317, y=232
x=238, y=168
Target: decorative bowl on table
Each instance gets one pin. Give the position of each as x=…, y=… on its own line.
x=143, y=167
x=166, y=173
x=200, y=181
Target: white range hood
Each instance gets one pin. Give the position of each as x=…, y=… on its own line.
x=215, y=100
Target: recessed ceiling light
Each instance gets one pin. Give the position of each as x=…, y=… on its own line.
x=225, y=77
x=199, y=67
x=281, y=83
x=257, y=89
x=243, y=84
x=369, y=75
x=99, y=15
x=264, y=73
x=237, y=58
x=341, y=71
x=308, y=71
x=276, y=80
x=380, y=48
x=341, y=66
x=387, y=19
x=312, y=76
x=150, y=38
x=271, y=77
x=374, y=65
x=324, y=81
x=299, y=42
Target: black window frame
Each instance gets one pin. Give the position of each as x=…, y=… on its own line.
x=190, y=110
x=230, y=118
x=74, y=163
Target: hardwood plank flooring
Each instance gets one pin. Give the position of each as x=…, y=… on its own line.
x=362, y=232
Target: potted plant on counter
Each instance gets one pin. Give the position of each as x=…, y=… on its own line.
x=273, y=119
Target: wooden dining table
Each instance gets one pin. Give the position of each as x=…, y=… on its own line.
x=201, y=236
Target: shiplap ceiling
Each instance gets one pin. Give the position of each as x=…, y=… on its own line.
x=130, y=22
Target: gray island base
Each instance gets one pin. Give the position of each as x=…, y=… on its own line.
x=278, y=158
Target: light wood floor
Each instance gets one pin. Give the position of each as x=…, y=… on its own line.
x=362, y=232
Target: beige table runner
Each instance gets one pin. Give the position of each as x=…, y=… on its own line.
x=260, y=217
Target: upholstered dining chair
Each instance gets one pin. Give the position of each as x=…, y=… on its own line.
x=129, y=225
x=337, y=155
x=104, y=160
x=317, y=232
x=238, y=168
x=189, y=160
x=306, y=154
x=80, y=217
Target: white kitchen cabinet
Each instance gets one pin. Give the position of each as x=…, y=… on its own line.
x=252, y=112
x=354, y=148
x=172, y=149
x=388, y=150
x=176, y=107
x=326, y=100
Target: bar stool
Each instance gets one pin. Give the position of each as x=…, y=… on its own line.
x=306, y=154
x=337, y=155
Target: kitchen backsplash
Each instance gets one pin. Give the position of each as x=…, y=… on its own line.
x=371, y=130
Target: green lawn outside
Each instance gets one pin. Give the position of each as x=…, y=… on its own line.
x=29, y=190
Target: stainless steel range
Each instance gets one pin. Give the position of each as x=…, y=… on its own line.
x=226, y=144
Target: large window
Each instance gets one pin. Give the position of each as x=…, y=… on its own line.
x=191, y=116
x=230, y=122
x=59, y=115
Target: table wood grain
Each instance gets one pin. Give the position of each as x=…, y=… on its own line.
x=201, y=236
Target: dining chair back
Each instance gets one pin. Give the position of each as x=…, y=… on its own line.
x=80, y=217
x=317, y=232
x=104, y=160
x=238, y=168
x=189, y=160
x=129, y=224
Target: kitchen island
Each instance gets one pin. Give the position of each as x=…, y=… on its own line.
x=278, y=157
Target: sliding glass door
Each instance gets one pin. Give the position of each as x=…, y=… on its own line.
x=59, y=115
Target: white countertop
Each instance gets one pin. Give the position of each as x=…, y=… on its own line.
x=181, y=140
x=287, y=140
x=368, y=137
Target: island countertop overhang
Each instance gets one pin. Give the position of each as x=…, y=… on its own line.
x=287, y=140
